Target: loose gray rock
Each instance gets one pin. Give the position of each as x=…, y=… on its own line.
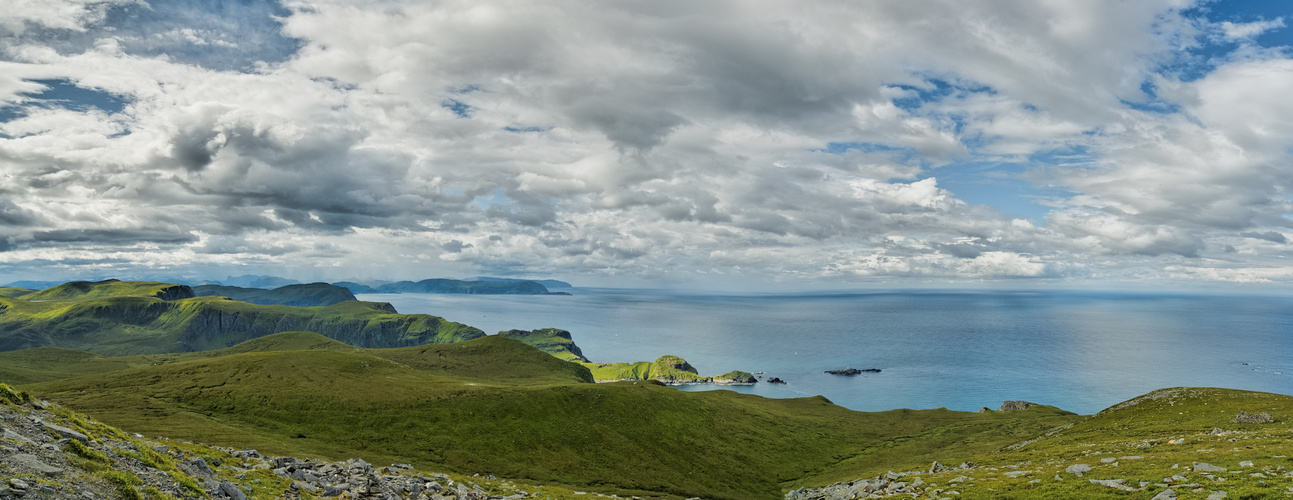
x=1108, y=460
x=65, y=432
x=1246, y=463
x=25, y=461
x=8, y=434
x=201, y=467
x=1120, y=484
x=1217, y=495
x=1078, y=469
x=231, y=491
x=1202, y=467
x=1167, y=494
x=1254, y=418
x=302, y=485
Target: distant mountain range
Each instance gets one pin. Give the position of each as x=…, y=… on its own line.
x=492, y=286
x=305, y=295
x=252, y=288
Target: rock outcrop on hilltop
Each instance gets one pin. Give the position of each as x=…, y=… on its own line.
x=1015, y=405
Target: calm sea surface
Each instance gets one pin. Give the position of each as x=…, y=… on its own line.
x=1079, y=351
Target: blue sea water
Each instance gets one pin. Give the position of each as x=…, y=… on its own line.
x=1081, y=351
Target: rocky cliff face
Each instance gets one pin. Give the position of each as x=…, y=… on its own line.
x=214, y=328
x=175, y=292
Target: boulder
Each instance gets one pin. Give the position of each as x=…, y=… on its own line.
x=8, y=434
x=231, y=491
x=200, y=466
x=65, y=432
x=1167, y=494
x=23, y=461
x=1078, y=469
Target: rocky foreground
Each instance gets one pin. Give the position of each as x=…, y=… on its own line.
x=1091, y=475
x=47, y=452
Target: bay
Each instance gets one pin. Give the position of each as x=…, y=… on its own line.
x=962, y=350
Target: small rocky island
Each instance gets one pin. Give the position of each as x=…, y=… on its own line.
x=849, y=372
x=667, y=369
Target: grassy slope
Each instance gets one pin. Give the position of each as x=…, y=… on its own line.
x=496, y=406
x=13, y=291
x=1145, y=440
x=127, y=318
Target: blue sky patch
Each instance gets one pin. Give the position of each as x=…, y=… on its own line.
x=65, y=94
x=226, y=35
x=459, y=108
x=521, y=130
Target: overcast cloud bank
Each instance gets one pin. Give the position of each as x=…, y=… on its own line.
x=826, y=142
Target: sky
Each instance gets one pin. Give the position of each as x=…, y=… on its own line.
x=749, y=144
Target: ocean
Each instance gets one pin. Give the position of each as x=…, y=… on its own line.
x=1080, y=351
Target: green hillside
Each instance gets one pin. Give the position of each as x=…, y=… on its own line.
x=13, y=291
x=496, y=406
x=117, y=318
x=1182, y=439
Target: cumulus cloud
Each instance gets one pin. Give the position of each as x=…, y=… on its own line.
x=1244, y=31
x=632, y=139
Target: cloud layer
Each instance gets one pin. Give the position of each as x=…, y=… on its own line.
x=718, y=142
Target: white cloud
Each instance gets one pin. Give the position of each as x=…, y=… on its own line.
x=641, y=139
x=1245, y=31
